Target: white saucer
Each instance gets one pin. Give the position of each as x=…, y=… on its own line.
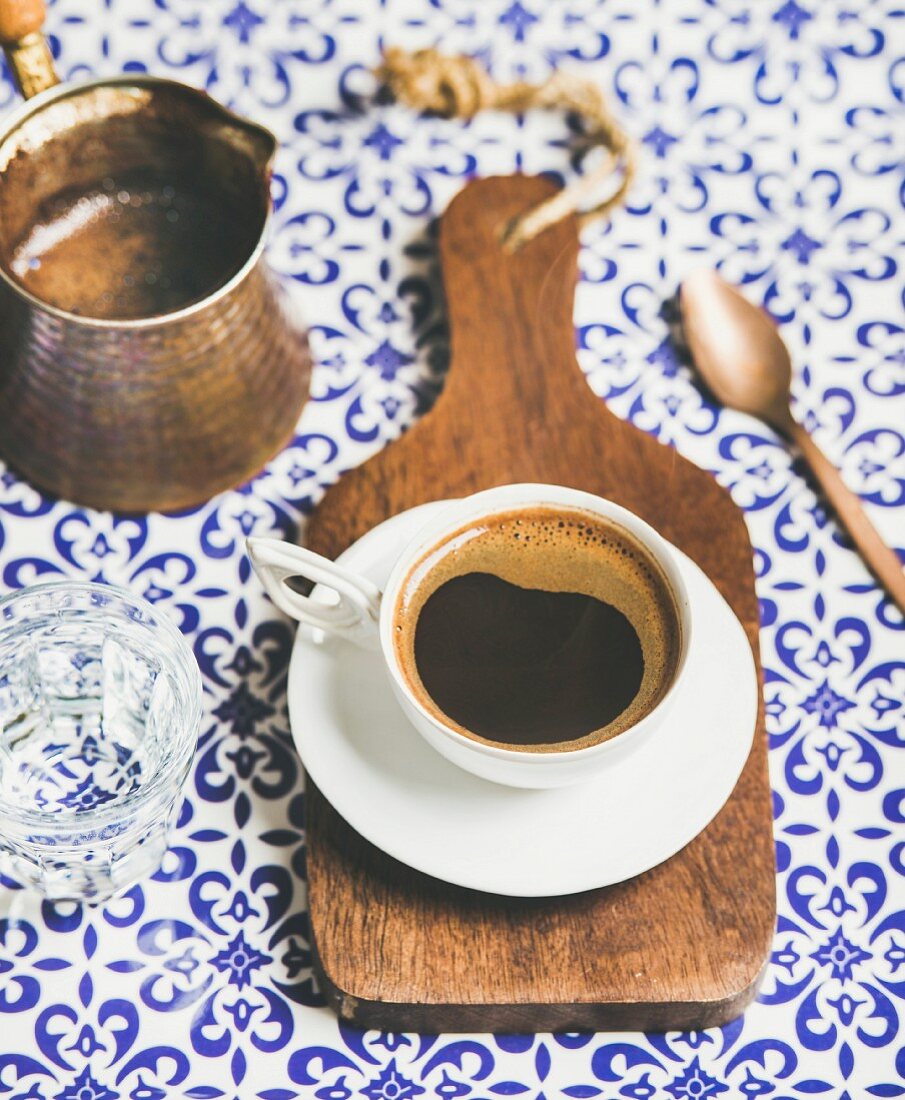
x=405, y=798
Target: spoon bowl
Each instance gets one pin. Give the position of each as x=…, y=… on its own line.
x=737, y=349
x=742, y=358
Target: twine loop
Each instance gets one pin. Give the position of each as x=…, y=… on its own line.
x=459, y=87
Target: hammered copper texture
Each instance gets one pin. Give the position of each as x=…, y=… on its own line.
x=150, y=417
x=161, y=411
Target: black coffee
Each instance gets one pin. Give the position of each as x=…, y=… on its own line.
x=540, y=629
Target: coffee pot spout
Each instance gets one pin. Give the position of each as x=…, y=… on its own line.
x=257, y=142
x=254, y=144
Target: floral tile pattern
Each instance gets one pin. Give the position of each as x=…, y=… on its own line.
x=771, y=135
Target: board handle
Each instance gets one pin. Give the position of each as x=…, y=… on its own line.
x=510, y=313
x=25, y=46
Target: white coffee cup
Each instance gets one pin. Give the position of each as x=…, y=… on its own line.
x=363, y=614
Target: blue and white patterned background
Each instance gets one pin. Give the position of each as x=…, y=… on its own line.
x=772, y=133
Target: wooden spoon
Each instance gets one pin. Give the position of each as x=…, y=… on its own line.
x=742, y=358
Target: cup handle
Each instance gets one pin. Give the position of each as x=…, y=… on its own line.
x=354, y=616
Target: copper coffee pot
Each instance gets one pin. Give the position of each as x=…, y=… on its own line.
x=147, y=356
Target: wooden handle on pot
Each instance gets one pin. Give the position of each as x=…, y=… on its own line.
x=25, y=47
x=20, y=18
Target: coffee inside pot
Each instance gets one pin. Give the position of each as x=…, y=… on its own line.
x=124, y=201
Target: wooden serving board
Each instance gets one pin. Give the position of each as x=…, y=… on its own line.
x=681, y=946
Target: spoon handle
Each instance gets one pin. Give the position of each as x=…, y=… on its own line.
x=879, y=557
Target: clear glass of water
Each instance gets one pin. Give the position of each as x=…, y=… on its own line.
x=100, y=706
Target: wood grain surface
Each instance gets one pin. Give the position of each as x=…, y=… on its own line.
x=680, y=946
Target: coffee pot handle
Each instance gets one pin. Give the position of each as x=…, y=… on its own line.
x=25, y=47
x=354, y=615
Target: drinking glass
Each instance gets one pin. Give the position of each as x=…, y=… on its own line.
x=100, y=706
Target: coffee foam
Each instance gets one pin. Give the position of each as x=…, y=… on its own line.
x=555, y=549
